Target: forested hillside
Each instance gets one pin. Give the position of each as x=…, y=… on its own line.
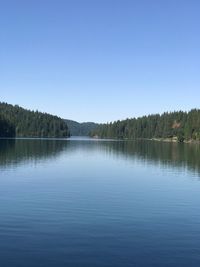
x=19, y=122
x=6, y=128
x=81, y=129
x=180, y=125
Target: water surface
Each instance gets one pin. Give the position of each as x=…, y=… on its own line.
x=99, y=203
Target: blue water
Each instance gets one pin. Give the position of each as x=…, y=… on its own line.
x=93, y=203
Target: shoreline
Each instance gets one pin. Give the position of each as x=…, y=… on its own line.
x=175, y=140
x=165, y=140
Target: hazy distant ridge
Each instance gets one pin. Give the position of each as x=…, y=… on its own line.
x=81, y=129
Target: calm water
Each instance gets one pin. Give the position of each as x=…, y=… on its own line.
x=99, y=203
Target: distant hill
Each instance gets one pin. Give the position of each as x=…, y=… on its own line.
x=20, y=122
x=81, y=129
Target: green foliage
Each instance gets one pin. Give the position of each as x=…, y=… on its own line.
x=6, y=128
x=28, y=123
x=180, y=125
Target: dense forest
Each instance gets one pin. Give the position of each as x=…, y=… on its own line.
x=6, y=128
x=180, y=126
x=19, y=122
x=81, y=129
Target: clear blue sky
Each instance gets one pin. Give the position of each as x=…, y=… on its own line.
x=100, y=60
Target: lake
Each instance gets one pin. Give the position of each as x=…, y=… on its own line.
x=99, y=203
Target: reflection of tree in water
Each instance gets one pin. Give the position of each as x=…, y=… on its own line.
x=169, y=154
x=15, y=151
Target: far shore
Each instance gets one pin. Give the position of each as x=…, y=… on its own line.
x=175, y=140
x=166, y=140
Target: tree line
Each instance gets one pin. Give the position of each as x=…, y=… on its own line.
x=19, y=122
x=180, y=125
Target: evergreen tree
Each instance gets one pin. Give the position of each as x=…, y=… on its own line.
x=26, y=123
x=179, y=125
